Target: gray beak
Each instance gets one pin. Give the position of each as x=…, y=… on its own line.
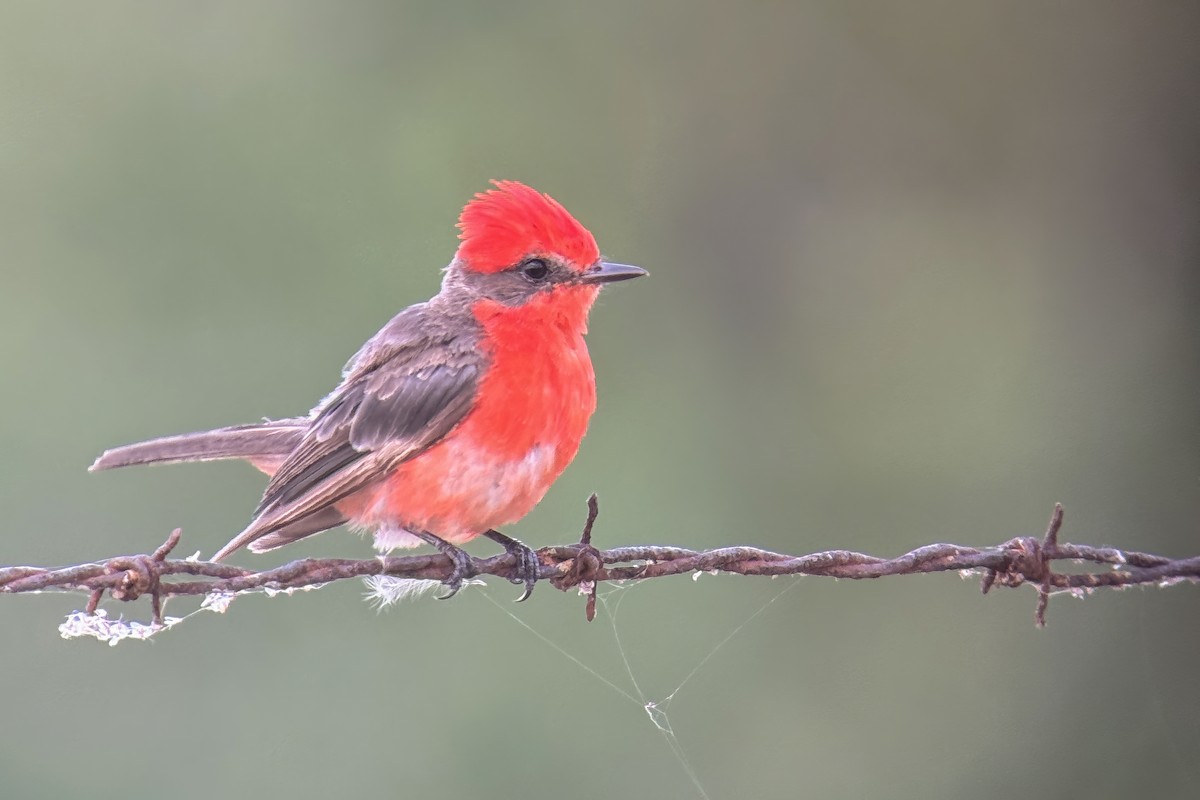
x=606, y=272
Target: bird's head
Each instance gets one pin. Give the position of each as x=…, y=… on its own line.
x=521, y=249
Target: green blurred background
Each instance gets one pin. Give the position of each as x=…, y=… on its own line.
x=919, y=270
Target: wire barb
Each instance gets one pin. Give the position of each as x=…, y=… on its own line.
x=586, y=564
x=1011, y=564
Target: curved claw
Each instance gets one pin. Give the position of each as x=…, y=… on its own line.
x=464, y=567
x=527, y=567
x=527, y=571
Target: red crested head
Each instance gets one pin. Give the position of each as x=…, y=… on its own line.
x=501, y=226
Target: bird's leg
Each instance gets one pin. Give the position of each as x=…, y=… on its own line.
x=527, y=561
x=464, y=568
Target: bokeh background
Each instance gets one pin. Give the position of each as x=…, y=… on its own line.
x=919, y=270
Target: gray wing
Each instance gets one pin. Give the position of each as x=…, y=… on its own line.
x=407, y=388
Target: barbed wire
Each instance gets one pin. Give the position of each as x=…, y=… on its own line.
x=1019, y=561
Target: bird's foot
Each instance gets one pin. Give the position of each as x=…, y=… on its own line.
x=527, y=568
x=464, y=567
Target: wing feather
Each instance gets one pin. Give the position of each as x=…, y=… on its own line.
x=405, y=390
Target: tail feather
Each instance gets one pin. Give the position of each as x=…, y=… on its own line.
x=262, y=441
x=263, y=444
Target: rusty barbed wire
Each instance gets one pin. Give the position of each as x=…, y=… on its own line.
x=1019, y=561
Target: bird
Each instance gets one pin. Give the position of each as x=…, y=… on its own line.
x=455, y=418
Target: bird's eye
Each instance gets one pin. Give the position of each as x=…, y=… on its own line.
x=535, y=269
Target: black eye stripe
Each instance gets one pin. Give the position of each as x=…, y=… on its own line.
x=535, y=269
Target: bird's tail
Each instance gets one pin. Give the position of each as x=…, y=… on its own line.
x=265, y=444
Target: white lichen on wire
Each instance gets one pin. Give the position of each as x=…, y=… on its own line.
x=98, y=625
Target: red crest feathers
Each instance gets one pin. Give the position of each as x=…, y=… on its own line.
x=501, y=226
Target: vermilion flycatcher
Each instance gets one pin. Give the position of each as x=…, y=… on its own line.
x=456, y=417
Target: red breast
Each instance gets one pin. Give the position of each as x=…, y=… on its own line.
x=535, y=399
